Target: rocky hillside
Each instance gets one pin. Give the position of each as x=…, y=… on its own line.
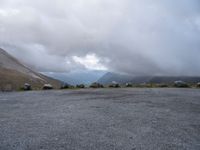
x=13, y=74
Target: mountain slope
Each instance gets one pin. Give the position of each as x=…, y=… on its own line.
x=14, y=74
x=109, y=77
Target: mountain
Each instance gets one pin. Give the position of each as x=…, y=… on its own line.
x=109, y=77
x=167, y=79
x=13, y=74
x=122, y=79
x=77, y=76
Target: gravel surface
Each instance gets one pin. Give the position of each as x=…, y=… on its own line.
x=101, y=119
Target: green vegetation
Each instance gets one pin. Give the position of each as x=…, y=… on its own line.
x=81, y=86
x=96, y=85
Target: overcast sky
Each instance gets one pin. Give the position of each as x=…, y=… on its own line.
x=151, y=37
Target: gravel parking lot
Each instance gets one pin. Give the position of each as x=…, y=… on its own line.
x=101, y=119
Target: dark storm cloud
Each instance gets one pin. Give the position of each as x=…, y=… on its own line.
x=129, y=36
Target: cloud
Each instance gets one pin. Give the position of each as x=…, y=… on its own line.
x=129, y=36
x=90, y=61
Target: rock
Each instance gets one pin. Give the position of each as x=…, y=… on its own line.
x=27, y=87
x=198, y=84
x=47, y=87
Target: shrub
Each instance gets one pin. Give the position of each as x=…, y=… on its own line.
x=96, y=85
x=114, y=85
x=180, y=84
x=82, y=86
x=129, y=85
x=65, y=86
